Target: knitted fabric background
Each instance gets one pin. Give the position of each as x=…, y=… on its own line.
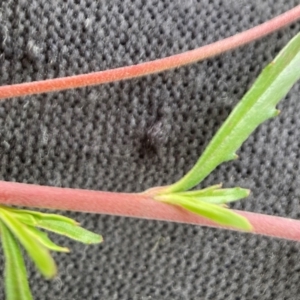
x=131, y=135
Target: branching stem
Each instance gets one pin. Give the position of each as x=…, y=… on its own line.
x=131, y=205
x=139, y=205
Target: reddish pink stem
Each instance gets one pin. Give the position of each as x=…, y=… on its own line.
x=131, y=205
x=151, y=67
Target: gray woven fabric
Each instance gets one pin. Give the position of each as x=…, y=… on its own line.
x=129, y=136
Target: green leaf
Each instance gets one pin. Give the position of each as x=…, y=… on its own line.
x=56, y=223
x=208, y=190
x=257, y=106
x=23, y=217
x=32, y=217
x=37, y=252
x=44, y=240
x=71, y=231
x=217, y=196
x=15, y=275
x=216, y=213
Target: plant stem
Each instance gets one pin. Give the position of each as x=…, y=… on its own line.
x=159, y=65
x=132, y=205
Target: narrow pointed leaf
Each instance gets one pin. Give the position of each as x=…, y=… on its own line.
x=216, y=213
x=36, y=216
x=218, y=196
x=56, y=223
x=44, y=240
x=37, y=252
x=71, y=231
x=206, y=191
x=15, y=275
x=24, y=218
x=220, y=215
x=257, y=106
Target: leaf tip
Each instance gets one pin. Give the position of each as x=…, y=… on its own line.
x=244, y=225
x=95, y=240
x=50, y=274
x=249, y=227
x=101, y=240
x=277, y=112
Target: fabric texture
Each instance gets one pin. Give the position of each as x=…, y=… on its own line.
x=131, y=135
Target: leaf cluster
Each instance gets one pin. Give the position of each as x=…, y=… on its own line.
x=23, y=227
x=257, y=106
